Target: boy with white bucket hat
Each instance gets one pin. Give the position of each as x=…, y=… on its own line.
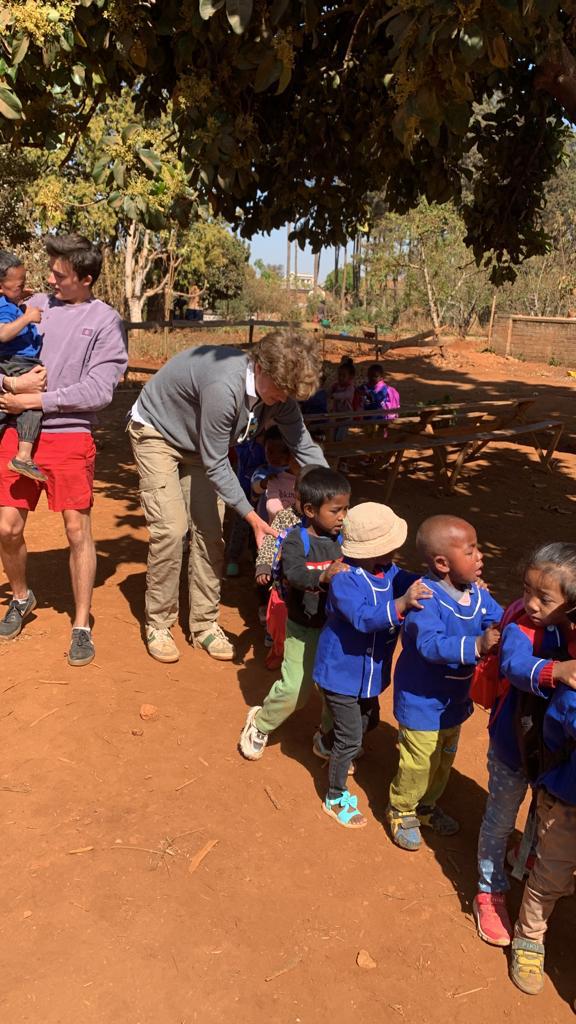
x=365, y=609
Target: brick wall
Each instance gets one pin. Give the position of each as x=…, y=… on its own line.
x=537, y=339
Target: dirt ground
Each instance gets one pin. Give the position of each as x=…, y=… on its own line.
x=107, y=916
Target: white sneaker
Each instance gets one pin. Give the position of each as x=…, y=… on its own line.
x=215, y=643
x=160, y=644
x=252, y=742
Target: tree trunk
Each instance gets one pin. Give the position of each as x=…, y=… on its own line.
x=432, y=303
x=288, y=248
x=316, y=269
x=336, y=259
x=343, y=288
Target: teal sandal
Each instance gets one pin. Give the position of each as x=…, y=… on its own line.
x=349, y=816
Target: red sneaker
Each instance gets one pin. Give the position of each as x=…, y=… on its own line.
x=492, y=919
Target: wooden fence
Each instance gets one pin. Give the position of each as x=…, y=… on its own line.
x=370, y=336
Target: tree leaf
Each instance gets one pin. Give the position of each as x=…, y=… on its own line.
x=239, y=13
x=210, y=7
x=100, y=170
x=119, y=172
x=128, y=131
x=20, y=50
x=269, y=71
x=78, y=74
x=10, y=106
x=115, y=200
x=150, y=159
x=130, y=208
x=498, y=51
x=284, y=80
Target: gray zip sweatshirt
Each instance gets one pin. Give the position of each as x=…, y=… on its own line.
x=198, y=402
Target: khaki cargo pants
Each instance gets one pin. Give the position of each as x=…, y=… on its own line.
x=177, y=496
x=553, y=873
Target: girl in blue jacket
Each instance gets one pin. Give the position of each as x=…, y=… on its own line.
x=365, y=608
x=550, y=602
x=533, y=655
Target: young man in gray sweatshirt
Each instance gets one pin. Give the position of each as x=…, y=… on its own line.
x=183, y=425
x=84, y=355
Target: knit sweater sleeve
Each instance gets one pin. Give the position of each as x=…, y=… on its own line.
x=218, y=415
x=288, y=418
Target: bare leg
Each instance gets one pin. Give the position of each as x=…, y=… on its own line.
x=82, y=561
x=13, y=549
x=25, y=451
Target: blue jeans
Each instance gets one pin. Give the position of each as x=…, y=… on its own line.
x=506, y=791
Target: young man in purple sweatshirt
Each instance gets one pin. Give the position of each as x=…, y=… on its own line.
x=84, y=355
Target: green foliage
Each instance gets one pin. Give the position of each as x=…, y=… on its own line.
x=213, y=260
x=295, y=111
x=330, y=281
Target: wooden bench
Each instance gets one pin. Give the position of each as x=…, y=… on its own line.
x=426, y=418
x=393, y=448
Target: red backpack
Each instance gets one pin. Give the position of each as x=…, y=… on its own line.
x=488, y=684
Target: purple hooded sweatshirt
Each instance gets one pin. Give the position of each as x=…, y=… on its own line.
x=84, y=352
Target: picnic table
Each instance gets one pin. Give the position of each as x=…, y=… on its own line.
x=454, y=433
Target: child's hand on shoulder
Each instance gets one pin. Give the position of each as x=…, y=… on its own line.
x=332, y=571
x=417, y=592
x=489, y=641
x=565, y=672
x=32, y=314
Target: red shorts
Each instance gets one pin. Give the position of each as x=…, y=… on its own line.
x=66, y=459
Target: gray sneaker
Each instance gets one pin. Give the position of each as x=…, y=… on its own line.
x=11, y=624
x=82, y=650
x=215, y=642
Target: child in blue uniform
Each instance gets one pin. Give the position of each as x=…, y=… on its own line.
x=550, y=599
x=440, y=647
x=20, y=345
x=364, y=610
x=533, y=658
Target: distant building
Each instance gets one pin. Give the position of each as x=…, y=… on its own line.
x=301, y=281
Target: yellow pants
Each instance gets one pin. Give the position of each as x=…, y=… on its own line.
x=426, y=759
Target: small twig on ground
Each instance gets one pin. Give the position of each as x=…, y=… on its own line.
x=271, y=797
x=55, y=682
x=82, y=849
x=11, y=687
x=16, y=789
x=42, y=717
x=202, y=761
x=199, y=857
x=190, y=832
x=184, y=784
x=458, y=995
x=284, y=970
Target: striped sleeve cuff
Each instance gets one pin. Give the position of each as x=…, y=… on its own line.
x=468, y=650
x=544, y=678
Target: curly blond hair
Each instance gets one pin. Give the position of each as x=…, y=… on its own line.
x=293, y=361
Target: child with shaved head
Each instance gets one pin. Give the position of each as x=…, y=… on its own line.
x=440, y=647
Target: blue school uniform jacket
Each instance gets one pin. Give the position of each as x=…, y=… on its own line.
x=559, y=729
x=525, y=671
x=434, y=670
x=357, y=642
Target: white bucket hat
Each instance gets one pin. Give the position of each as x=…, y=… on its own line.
x=371, y=530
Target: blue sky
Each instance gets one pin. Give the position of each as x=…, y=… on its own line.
x=272, y=249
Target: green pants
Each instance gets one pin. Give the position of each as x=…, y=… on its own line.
x=293, y=689
x=426, y=759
